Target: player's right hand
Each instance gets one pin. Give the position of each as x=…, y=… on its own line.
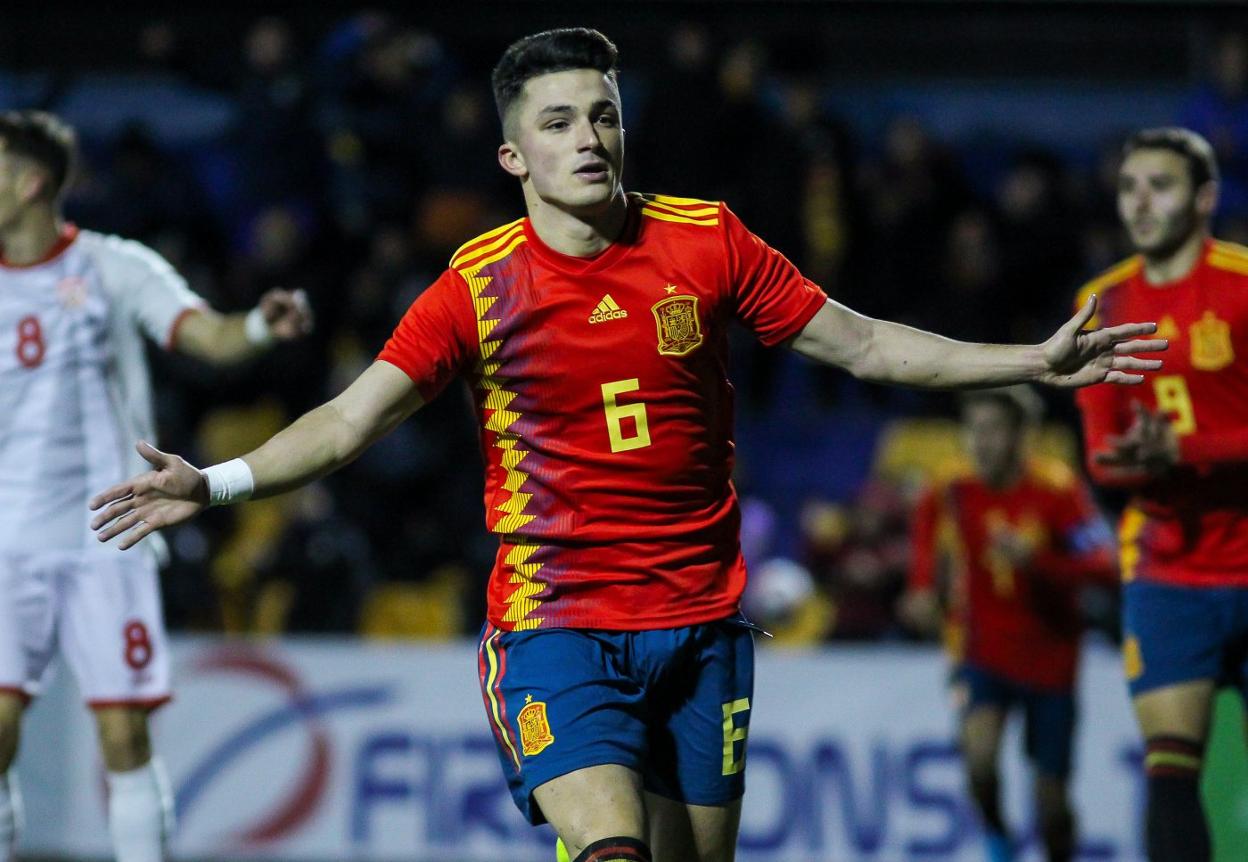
x=172, y=492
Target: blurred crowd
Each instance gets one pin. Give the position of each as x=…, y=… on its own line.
x=355, y=163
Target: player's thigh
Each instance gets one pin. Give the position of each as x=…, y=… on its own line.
x=698, y=833
x=594, y=803
x=558, y=705
x=700, y=715
x=113, y=631
x=1182, y=709
x=29, y=604
x=12, y=704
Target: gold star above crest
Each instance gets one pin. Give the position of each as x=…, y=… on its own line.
x=528, y=698
x=670, y=288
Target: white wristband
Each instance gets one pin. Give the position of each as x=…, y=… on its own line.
x=230, y=482
x=256, y=328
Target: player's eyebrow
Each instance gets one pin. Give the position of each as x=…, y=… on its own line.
x=600, y=105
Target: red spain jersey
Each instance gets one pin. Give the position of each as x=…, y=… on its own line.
x=605, y=408
x=1023, y=624
x=1190, y=527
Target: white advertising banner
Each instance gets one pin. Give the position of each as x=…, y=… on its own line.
x=326, y=749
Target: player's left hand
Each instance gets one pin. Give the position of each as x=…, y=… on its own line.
x=287, y=313
x=1076, y=357
x=1149, y=444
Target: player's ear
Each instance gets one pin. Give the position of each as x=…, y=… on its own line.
x=512, y=160
x=1207, y=199
x=30, y=183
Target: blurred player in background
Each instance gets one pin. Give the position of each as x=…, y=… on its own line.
x=1181, y=445
x=74, y=390
x=616, y=670
x=1005, y=552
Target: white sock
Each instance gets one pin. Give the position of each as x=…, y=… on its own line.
x=10, y=815
x=138, y=813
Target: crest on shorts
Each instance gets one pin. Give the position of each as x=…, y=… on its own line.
x=535, y=733
x=680, y=331
x=1211, y=343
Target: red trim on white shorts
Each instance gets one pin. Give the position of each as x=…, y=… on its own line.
x=17, y=690
x=148, y=703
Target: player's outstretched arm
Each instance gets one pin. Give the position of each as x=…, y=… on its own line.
x=319, y=442
x=885, y=352
x=223, y=339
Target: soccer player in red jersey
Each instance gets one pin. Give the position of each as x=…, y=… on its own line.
x=1181, y=445
x=615, y=668
x=1015, y=540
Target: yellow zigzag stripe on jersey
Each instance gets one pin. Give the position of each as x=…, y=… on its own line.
x=661, y=215
x=459, y=258
x=521, y=602
x=499, y=244
x=1103, y=282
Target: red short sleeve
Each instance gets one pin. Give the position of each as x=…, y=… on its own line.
x=437, y=337
x=771, y=296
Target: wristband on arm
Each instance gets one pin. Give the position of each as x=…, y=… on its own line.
x=256, y=328
x=229, y=482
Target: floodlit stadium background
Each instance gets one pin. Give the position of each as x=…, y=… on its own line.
x=947, y=165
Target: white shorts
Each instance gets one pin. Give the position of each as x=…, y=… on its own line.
x=102, y=612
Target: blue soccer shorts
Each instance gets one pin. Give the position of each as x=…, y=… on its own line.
x=1174, y=634
x=671, y=704
x=1048, y=716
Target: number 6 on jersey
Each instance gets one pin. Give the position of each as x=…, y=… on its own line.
x=617, y=413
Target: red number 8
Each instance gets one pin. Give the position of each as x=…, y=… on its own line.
x=30, y=345
x=138, y=645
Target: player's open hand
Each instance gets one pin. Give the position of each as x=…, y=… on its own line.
x=287, y=313
x=1077, y=357
x=172, y=492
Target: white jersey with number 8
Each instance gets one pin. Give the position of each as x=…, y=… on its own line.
x=74, y=389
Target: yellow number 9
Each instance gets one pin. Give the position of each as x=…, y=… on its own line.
x=617, y=413
x=1174, y=399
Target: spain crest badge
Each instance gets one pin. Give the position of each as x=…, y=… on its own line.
x=535, y=734
x=1211, y=343
x=680, y=331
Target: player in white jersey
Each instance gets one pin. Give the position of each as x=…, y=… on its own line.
x=75, y=308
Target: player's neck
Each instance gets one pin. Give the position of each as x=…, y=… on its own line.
x=29, y=239
x=1004, y=479
x=1177, y=264
x=575, y=234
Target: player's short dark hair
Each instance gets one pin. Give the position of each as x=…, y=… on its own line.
x=1021, y=402
x=43, y=138
x=1202, y=164
x=550, y=51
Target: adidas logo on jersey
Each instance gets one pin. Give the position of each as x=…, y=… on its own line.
x=607, y=310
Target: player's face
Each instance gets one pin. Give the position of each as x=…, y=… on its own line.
x=565, y=140
x=19, y=185
x=9, y=198
x=1156, y=201
x=993, y=438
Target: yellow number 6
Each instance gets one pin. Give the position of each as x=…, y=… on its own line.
x=617, y=413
